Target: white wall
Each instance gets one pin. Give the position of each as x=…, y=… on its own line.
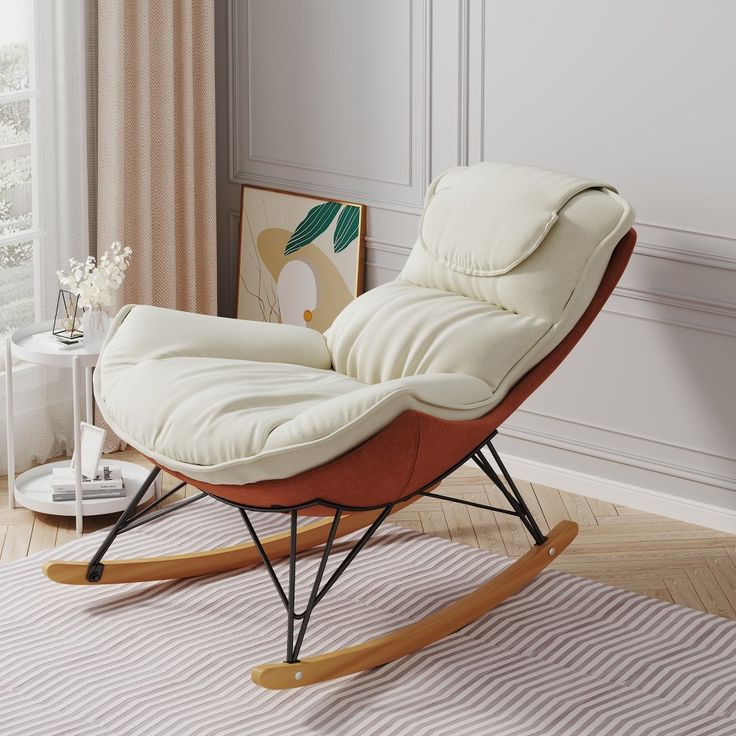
x=369, y=100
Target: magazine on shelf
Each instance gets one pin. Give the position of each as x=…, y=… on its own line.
x=108, y=479
x=87, y=495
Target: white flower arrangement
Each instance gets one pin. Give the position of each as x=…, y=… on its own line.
x=94, y=283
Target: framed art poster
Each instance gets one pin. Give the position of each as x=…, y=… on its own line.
x=301, y=257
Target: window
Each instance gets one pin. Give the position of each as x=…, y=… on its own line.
x=19, y=226
x=44, y=198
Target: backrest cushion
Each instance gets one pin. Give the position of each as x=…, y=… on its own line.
x=490, y=286
x=484, y=220
x=541, y=283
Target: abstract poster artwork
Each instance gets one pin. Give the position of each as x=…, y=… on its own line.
x=301, y=257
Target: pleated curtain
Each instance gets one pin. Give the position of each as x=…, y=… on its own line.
x=156, y=151
x=156, y=148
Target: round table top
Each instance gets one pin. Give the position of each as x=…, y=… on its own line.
x=36, y=344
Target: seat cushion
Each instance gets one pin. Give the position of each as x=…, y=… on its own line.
x=191, y=398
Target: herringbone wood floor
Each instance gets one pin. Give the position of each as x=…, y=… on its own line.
x=648, y=554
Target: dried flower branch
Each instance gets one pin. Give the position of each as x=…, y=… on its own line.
x=94, y=283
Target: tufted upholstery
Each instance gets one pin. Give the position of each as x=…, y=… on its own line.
x=506, y=262
x=494, y=327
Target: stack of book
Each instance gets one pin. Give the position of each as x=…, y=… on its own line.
x=107, y=483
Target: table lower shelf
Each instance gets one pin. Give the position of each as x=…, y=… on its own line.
x=33, y=490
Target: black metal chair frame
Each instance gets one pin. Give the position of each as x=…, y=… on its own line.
x=130, y=519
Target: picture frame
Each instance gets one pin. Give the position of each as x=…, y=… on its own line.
x=301, y=257
x=89, y=452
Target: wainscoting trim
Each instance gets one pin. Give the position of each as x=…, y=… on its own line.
x=643, y=499
x=611, y=453
x=321, y=190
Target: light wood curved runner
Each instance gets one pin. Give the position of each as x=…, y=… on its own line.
x=565, y=657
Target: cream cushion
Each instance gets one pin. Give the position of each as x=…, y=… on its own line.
x=234, y=402
x=486, y=219
x=194, y=393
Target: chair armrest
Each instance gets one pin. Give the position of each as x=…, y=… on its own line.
x=140, y=333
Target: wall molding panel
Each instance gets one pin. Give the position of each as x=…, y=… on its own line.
x=636, y=451
x=463, y=105
x=667, y=333
x=388, y=246
x=404, y=192
x=673, y=309
x=687, y=246
x=715, y=512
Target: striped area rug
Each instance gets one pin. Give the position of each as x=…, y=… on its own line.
x=566, y=657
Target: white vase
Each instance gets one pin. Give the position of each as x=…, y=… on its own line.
x=95, y=323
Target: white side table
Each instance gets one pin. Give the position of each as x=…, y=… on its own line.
x=32, y=489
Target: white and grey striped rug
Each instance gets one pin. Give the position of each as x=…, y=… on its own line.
x=565, y=657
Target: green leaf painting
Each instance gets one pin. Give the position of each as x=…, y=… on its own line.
x=318, y=219
x=347, y=228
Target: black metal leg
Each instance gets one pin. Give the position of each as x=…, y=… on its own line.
x=292, y=591
x=148, y=516
x=288, y=597
x=353, y=553
x=509, y=490
x=482, y=462
x=537, y=533
x=95, y=567
x=315, y=586
x=158, y=501
x=264, y=557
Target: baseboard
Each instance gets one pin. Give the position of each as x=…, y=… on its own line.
x=644, y=499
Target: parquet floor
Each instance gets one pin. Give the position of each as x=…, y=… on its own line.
x=644, y=553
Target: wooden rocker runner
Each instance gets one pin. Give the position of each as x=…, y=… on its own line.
x=511, y=266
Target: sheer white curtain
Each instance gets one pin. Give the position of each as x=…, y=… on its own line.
x=44, y=195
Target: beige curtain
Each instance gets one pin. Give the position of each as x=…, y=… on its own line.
x=156, y=151
x=156, y=148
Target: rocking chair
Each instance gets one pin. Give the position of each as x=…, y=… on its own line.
x=413, y=379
